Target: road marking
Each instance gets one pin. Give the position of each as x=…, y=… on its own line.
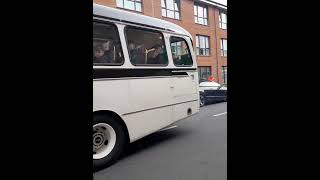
x=171, y=127
x=220, y=114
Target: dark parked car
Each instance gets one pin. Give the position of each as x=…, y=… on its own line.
x=212, y=92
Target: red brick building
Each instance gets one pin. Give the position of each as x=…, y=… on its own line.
x=206, y=20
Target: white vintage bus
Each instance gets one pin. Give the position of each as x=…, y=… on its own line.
x=144, y=79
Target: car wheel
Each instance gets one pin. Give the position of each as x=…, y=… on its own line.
x=109, y=140
x=202, y=100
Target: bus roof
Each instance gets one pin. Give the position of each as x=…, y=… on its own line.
x=131, y=17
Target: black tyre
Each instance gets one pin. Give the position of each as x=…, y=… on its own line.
x=109, y=140
x=202, y=100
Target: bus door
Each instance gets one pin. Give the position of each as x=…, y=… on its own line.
x=184, y=78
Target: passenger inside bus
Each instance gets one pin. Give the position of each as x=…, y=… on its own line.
x=136, y=52
x=157, y=56
x=107, y=53
x=98, y=54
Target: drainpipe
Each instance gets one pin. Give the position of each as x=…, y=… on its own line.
x=216, y=37
x=224, y=74
x=152, y=8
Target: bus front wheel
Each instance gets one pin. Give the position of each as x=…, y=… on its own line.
x=108, y=141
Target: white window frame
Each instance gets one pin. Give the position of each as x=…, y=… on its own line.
x=176, y=9
x=225, y=75
x=121, y=4
x=223, y=47
x=204, y=67
x=204, y=17
x=222, y=22
x=198, y=47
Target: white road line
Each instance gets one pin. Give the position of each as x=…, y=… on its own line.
x=171, y=127
x=220, y=114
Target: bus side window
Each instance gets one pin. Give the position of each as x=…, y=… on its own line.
x=146, y=47
x=180, y=52
x=106, y=45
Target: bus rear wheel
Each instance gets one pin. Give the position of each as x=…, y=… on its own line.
x=108, y=141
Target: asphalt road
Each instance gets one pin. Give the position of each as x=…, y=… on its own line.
x=194, y=150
